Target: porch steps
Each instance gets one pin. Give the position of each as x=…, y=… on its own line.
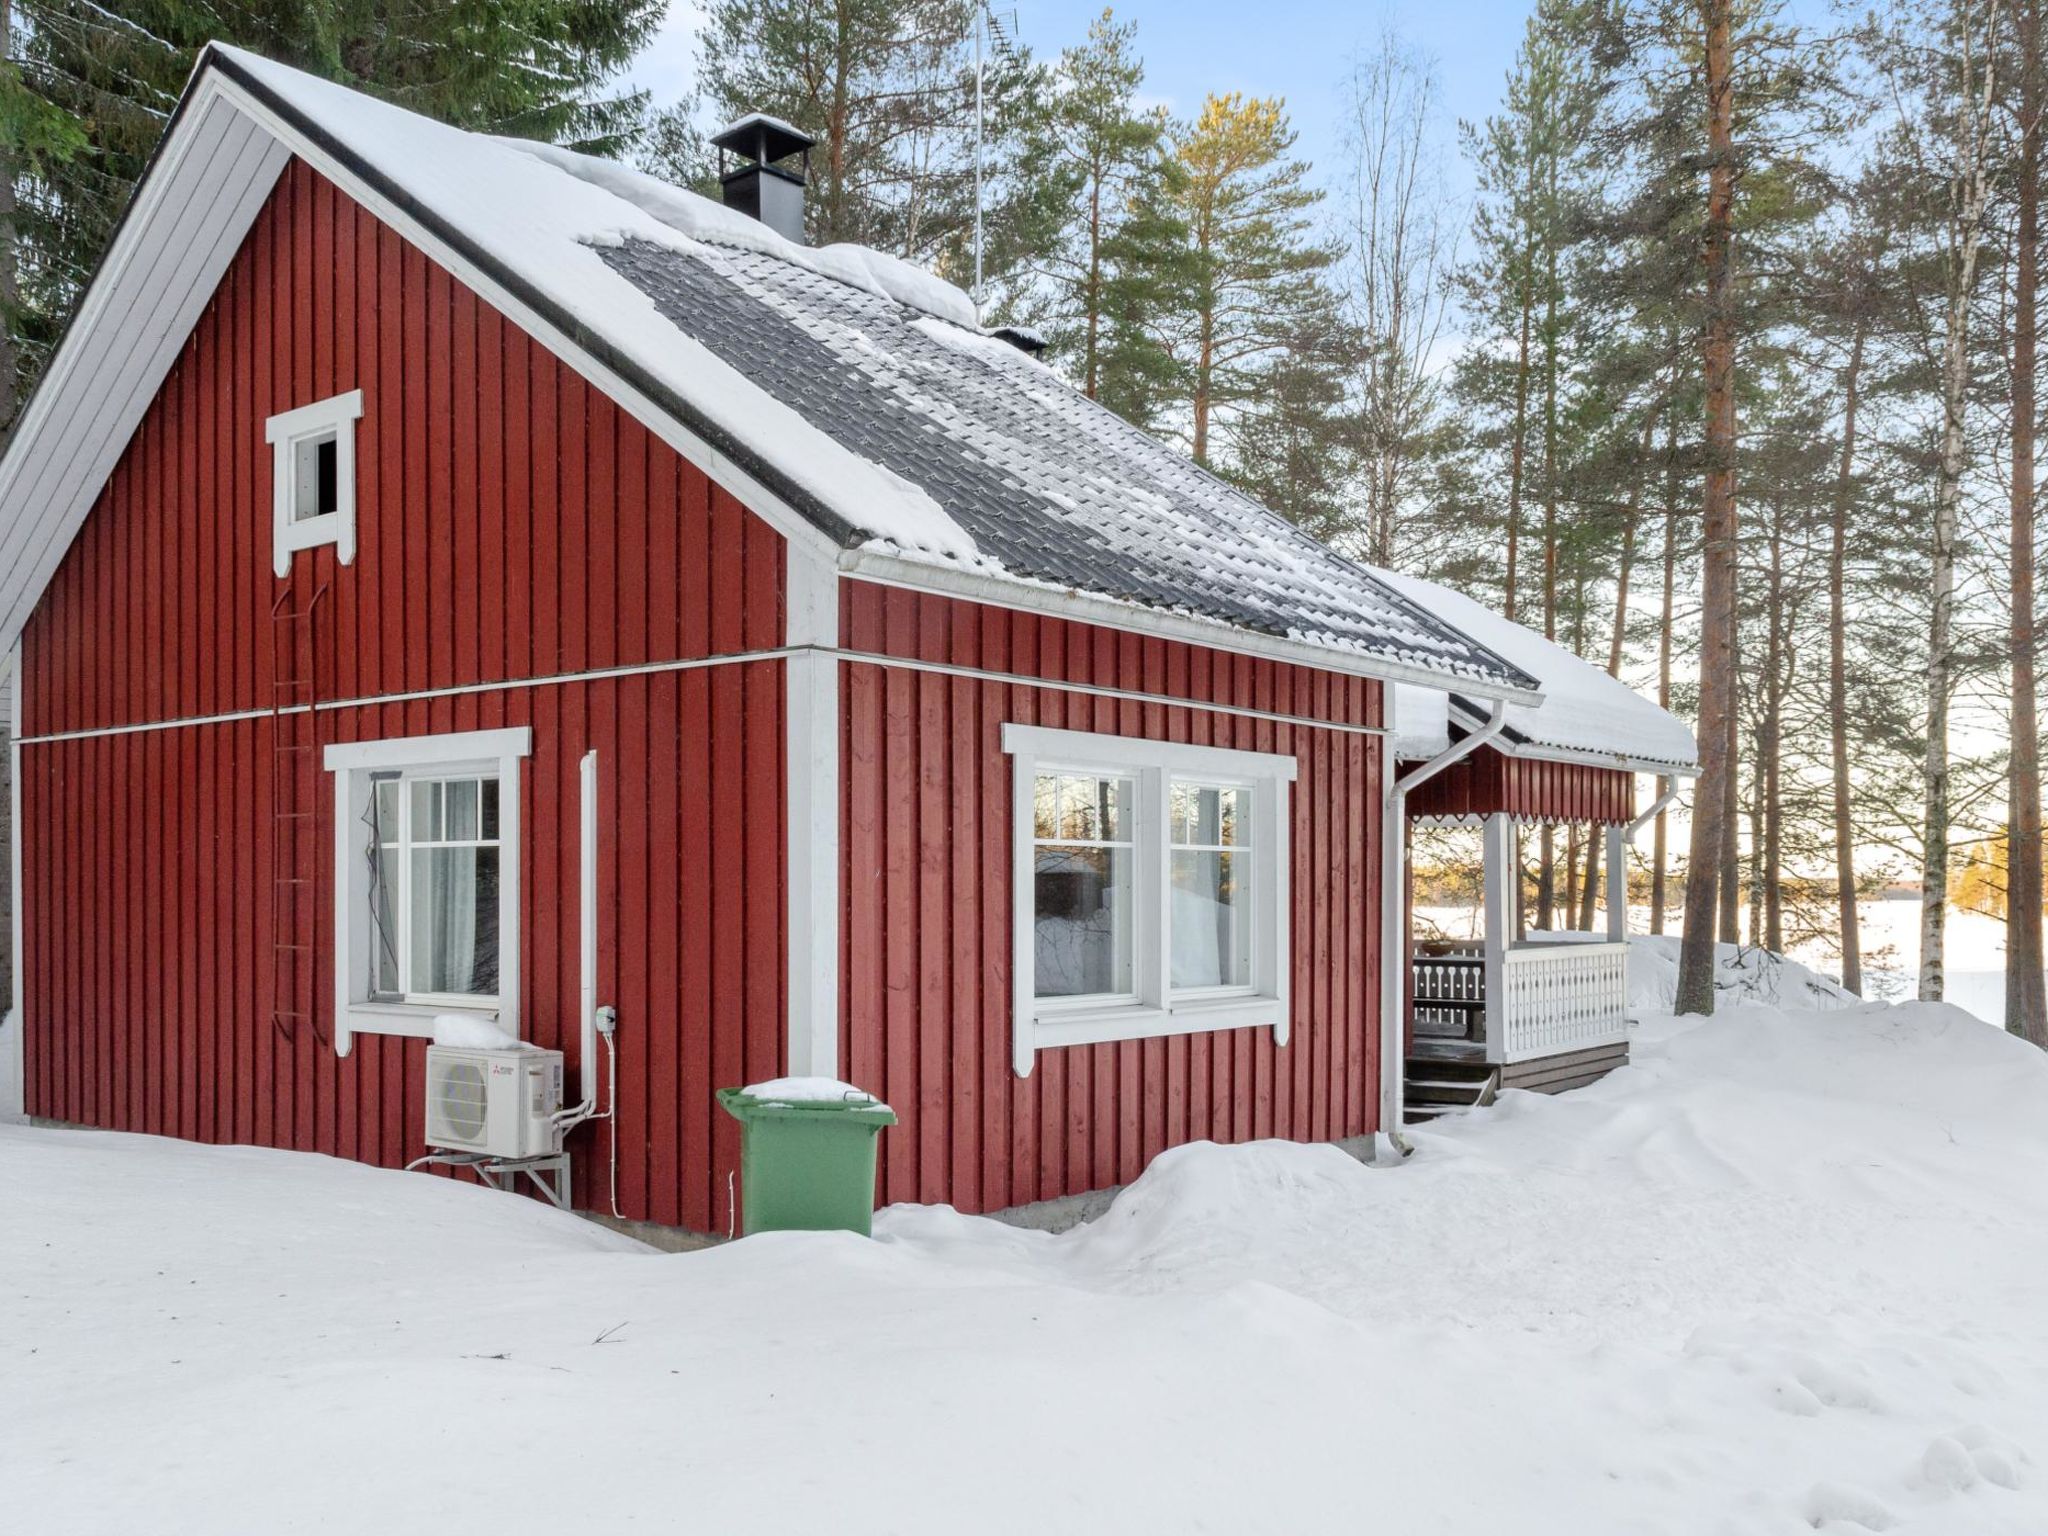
x=1436, y=1087
x=1439, y=1084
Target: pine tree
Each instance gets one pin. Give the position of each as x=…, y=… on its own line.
x=1528, y=158
x=1092, y=161
x=1257, y=268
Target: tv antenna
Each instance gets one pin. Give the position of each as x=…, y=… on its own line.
x=995, y=33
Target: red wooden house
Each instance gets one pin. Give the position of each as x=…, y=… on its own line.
x=451, y=576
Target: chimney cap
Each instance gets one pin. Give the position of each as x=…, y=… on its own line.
x=757, y=136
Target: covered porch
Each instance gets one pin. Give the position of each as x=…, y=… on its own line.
x=1514, y=1008
x=1507, y=1007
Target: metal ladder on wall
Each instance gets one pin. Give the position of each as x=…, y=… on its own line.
x=294, y=789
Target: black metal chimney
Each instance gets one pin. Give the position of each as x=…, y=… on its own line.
x=758, y=185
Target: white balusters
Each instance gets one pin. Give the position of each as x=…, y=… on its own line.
x=1557, y=998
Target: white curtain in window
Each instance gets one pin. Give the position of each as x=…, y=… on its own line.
x=445, y=890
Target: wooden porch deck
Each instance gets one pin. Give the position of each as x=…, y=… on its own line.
x=1448, y=1067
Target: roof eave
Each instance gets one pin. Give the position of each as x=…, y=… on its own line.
x=1594, y=758
x=891, y=569
x=1517, y=743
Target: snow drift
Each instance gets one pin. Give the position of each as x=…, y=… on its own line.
x=1781, y=1273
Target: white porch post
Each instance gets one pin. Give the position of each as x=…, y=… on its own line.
x=1617, y=883
x=1498, y=857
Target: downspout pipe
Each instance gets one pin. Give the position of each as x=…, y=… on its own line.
x=1390, y=1145
x=596, y=1021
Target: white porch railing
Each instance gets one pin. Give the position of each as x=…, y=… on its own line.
x=1557, y=998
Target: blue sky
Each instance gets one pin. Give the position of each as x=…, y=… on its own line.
x=1292, y=48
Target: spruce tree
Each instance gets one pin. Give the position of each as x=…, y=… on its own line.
x=96, y=87
x=1151, y=277
x=1299, y=453
x=887, y=89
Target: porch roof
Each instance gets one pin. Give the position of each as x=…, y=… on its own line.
x=1586, y=716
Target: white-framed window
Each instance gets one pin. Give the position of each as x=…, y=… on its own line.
x=313, y=478
x=1149, y=890
x=426, y=880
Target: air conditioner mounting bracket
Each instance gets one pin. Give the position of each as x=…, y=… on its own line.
x=549, y=1172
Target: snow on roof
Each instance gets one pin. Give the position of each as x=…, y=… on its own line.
x=866, y=384
x=762, y=120
x=1583, y=710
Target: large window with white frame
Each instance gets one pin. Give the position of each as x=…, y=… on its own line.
x=1150, y=892
x=426, y=901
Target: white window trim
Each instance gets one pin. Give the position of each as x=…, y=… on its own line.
x=352, y=763
x=1043, y=1023
x=284, y=432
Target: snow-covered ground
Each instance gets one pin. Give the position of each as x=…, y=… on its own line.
x=1784, y=1273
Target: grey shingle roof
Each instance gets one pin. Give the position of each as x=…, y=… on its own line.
x=1050, y=486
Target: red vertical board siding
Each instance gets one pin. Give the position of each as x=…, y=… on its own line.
x=512, y=523
x=1531, y=789
x=926, y=946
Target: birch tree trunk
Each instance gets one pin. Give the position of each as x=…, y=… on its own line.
x=1518, y=452
x=1546, y=874
x=1770, y=881
x=1660, y=841
x=1838, y=669
x=1972, y=191
x=1710, y=822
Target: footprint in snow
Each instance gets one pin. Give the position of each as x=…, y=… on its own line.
x=1830, y=1504
x=1835, y=1387
x=1962, y=1458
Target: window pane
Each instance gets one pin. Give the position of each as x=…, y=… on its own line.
x=1211, y=920
x=316, y=467
x=1208, y=816
x=490, y=810
x=458, y=811
x=327, y=458
x=384, y=919
x=1081, y=808
x=386, y=807
x=426, y=811
x=455, y=920
x=1082, y=921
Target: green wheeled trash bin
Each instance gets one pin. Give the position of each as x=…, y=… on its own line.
x=807, y=1155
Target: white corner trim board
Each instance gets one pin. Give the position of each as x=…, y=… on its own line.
x=13, y=1059
x=1254, y=995
x=297, y=521
x=353, y=764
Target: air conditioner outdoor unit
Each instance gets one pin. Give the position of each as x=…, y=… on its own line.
x=496, y=1102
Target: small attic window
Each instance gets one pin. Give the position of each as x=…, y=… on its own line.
x=313, y=474
x=316, y=493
